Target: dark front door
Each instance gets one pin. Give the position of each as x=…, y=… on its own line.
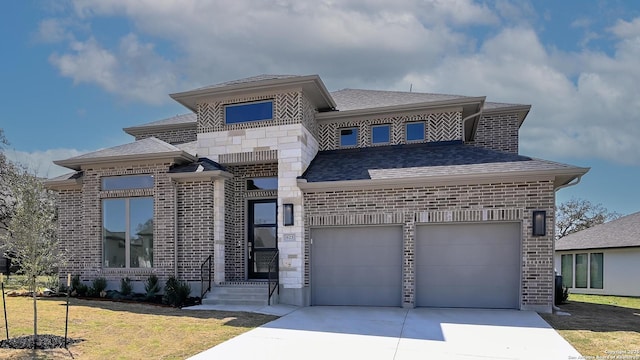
x=263, y=237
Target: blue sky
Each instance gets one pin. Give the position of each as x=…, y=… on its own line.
x=74, y=73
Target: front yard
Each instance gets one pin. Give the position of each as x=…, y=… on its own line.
x=112, y=330
x=606, y=327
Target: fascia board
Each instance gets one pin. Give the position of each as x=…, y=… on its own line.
x=203, y=175
x=458, y=179
x=422, y=106
x=137, y=130
x=69, y=184
x=522, y=110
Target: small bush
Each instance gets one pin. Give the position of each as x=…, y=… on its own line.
x=78, y=287
x=98, y=285
x=565, y=294
x=152, y=286
x=176, y=293
x=125, y=286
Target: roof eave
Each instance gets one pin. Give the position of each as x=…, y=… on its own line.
x=175, y=156
x=311, y=84
x=202, y=175
x=431, y=105
x=139, y=130
x=522, y=110
x=457, y=179
x=68, y=184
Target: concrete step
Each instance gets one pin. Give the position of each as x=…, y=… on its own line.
x=241, y=294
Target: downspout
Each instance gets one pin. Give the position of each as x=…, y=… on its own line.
x=465, y=120
x=175, y=228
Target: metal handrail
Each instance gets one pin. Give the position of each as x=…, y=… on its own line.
x=273, y=269
x=205, y=265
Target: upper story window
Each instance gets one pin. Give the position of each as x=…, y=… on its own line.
x=415, y=131
x=265, y=183
x=349, y=137
x=127, y=182
x=380, y=134
x=247, y=112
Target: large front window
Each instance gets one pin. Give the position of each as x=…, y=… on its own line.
x=247, y=112
x=127, y=232
x=582, y=271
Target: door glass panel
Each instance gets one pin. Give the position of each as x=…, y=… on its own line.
x=567, y=270
x=264, y=213
x=264, y=237
x=595, y=271
x=581, y=270
x=261, y=261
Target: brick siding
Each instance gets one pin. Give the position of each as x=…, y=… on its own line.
x=498, y=132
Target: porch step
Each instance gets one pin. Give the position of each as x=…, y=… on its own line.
x=244, y=293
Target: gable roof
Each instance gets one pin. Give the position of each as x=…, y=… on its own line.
x=619, y=233
x=425, y=162
x=145, y=149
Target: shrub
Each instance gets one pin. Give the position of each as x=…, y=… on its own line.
x=125, y=286
x=176, y=293
x=152, y=286
x=98, y=285
x=565, y=294
x=78, y=287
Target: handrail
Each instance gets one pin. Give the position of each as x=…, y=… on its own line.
x=273, y=270
x=206, y=264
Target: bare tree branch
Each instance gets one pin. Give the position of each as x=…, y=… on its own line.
x=579, y=214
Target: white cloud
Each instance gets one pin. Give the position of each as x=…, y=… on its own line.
x=41, y=162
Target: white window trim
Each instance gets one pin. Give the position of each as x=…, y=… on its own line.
x=424, y=132
x=378, y=126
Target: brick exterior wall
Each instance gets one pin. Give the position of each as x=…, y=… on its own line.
x=498, y=132
x=236, y=197
x=171, y=136
x=412, y=206
x=195, y=227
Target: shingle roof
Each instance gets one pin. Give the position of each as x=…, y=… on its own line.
x=248, y=80
x=189, y=147
x=623, y=232
x=202, y=164
x=418, y=160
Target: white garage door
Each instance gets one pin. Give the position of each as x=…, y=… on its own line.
x=356, y=266
x=468, y=265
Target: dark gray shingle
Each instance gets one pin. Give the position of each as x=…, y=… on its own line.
x=623, y=232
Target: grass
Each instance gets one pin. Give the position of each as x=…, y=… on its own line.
x=600, y=326
x=112, y=330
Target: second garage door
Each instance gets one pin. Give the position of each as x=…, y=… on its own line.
x=356, y=266
x=468, y=265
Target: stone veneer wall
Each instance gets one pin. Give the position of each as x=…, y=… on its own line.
x=443, y=126
x=171, y=136
x=411, y=206
x=80, y=228
x=498, y=132
x=195, y=227
x=236, y=196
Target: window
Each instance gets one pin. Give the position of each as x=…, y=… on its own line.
x=349, y=137
x=266, y=183
x=247, y=112
x=127, y=182
x=415, y=131
x=567, y=270
x=127, y=232
x=583, y=271
x=380, y=134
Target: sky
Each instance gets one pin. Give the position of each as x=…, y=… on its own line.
x=75, y=72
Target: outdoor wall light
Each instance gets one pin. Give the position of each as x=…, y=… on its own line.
x=288, y=214
x=539, y=223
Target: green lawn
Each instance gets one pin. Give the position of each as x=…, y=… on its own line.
x=600, y=326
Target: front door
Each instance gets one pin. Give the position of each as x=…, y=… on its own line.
x=263, y=236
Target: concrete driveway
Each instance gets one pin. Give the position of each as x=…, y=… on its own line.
x=392, y=333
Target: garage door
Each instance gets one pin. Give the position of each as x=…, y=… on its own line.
x=356, y=266
x=468, y=265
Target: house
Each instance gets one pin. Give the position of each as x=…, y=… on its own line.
x=604, y=259
x=362, y=197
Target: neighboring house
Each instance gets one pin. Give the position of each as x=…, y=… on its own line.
x=366, y=197
x=604, y=259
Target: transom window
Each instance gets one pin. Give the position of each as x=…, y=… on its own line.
x=348, y=137
x=380, y=134
x=127, y=232
x=582, y=271
x=247, y=112
x=264, y=183
x=127, y=182
x=415, y=131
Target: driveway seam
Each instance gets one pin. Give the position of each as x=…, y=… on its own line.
x=404, y=321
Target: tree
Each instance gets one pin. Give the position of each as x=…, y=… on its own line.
x=579, y=214
x=7, y=172
x=30, y=238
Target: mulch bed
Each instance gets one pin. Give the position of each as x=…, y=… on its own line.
x=42, y=342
